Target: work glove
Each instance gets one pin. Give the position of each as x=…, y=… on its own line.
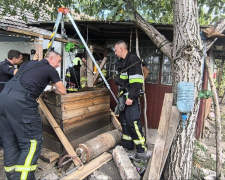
x=121, y=105
x=104, y=72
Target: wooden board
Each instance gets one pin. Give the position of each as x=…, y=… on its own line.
x=157, y=155
x=72, y=122
x=67, y=106
x=89, y=167
x=48, y=155
x=84, y=95
x=58, y=131
x=174, y=121
x=116, y=122
x=51, y=144
x=101, y=66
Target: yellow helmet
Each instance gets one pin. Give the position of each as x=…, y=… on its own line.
x=76, y=61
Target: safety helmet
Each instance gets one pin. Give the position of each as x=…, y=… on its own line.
x=76, y=61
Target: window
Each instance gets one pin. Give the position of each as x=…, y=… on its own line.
x=166, y=71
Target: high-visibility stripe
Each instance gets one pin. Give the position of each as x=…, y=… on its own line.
x=124, y=74
x=68, y=75
x=9, y=169
x=21, y=168
x=137, y=78
x=24, y=169
x=72, y=89
x=136, y=81
x=126, y=137
x=123, y=77
x=141, y=139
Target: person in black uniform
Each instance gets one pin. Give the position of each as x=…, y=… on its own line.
x=130, y=80
x=73, y=76
x=7, y=70
x=19, y=117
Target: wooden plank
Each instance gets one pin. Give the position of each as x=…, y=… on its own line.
x=157, y=155
x=89, y=136
x=85, y=110
x=86, y=128
x=71, y=123
x=51, y=144
x=84, y=95
x=55, y=110
x=46, y=122
x=84, y=103
x=80, y=129
x=52, y=98
x=48, y=155
x=116, y=122
x=29, y=33
x=101, y=66
x=59, y=132
x=173, y=123
x=89, y=167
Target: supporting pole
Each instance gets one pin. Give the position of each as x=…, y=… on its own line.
x=217, y=120
x=90, y=54
x=143, y=87
x=54, y=31
x=63, y=63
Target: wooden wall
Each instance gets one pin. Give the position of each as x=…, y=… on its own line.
x=81, y=116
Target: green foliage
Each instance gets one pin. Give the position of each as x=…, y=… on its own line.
x=206, y=94
x=160, y=11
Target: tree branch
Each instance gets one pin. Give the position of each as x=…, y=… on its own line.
x=157, y=38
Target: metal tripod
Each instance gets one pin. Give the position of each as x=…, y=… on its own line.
x=65, y=11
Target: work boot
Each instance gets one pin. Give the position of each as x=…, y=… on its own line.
x=143, y=157
x=131, y=153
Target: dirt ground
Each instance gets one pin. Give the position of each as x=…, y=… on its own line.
x=204, y=156
x=204, y=163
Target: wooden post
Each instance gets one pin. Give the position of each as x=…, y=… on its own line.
x=157, y=156
x=217, y=120
x=90, y=69
x=59, y=132
x=39, y=47
x=101, y=66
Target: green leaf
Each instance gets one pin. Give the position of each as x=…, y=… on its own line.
x=117, y=18
x=113, y=12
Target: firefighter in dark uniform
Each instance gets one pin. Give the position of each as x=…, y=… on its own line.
x=130, y=82
x=7, y=70
x=73, y=76
x=19, y=117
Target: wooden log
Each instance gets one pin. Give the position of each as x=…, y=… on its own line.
x=157, y=155
x=101, y=66
x=89, y=136
x=84, y=95
x=126, y=168
x=85, y=110
x=116, y=122
x=58, y=131
x=78, y=120
x=67, y=106
x=48, y=155
x=90, y=167
x=94, y=147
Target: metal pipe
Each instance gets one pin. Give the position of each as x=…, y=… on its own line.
x=90, y=54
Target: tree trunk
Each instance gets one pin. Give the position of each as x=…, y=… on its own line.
x=187, y=66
